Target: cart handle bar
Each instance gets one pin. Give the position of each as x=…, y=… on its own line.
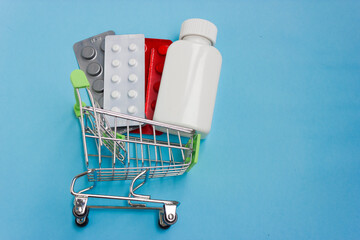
x=78, y=80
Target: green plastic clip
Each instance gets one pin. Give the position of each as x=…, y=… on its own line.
x=118, y=136
x=195, y=153
x=78, y=80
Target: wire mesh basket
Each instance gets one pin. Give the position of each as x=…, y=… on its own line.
x=114, y=152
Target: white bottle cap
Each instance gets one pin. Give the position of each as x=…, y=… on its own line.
x=200, y=27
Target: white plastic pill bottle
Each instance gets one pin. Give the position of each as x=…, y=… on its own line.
x=190, y=78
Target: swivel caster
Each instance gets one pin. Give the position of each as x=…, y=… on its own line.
x=81, y=220
x=167, y=216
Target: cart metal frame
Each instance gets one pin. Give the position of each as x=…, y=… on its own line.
x=128, y=156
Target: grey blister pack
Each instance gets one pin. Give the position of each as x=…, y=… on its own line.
x=124, y=77
x=90, y=57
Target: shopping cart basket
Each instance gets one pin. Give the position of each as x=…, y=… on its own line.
x=121, y=155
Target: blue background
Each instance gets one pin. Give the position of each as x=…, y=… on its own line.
x=281, y=162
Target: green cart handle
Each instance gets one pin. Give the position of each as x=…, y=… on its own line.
x=78, y=80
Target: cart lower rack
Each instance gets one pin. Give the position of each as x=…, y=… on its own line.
x=116, y=153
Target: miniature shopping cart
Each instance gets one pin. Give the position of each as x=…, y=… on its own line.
x=115, y=153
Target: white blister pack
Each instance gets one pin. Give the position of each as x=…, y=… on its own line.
x=124, y=76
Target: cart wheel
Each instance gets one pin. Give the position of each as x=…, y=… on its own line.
x=170, y=223
x=86, y=213
x=82, y=222
x=163, y=223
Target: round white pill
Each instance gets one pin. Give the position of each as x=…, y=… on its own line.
x=132, y=93
x=132, y=62
x=115, y=94
x=132, y=47
x=115, y=63
x=115, y=48
x=115, y=79
x=132, y=77
x=115, y=109
x=132, y=109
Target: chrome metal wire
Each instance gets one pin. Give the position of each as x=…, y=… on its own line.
x=160, y=156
